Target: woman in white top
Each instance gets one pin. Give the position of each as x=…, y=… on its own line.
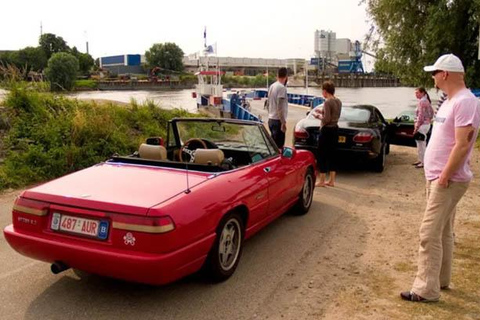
x=423, y=120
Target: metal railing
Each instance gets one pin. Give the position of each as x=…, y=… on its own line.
x=237, y=111
x=300, y=99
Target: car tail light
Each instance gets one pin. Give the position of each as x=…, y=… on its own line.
x=149, y=225
x=301, y=133
x=32, y=207
x=363, y=137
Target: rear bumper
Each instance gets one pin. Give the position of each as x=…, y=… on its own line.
x=362, y=154
x=133, y=266
x=359, y=153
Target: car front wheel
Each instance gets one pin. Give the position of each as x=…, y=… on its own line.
x=305, y=197
x=227, y=249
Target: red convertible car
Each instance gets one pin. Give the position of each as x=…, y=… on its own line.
x=166, y=211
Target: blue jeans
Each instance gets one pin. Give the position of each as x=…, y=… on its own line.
x=276, y=132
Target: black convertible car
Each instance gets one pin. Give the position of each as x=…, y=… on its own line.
x=401, y=129
x=363, y=134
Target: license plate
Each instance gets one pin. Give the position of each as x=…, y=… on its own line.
x=342, y=139
x=88, y=227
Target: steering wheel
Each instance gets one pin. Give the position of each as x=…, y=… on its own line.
x=188, y=149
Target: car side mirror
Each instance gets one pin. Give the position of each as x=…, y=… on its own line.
x=288, y=152
x=404, y=118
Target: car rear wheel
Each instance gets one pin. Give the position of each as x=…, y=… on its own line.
x=227, y=249
x=379, y=162
x=305, y=197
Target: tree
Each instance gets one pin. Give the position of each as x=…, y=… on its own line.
x=414, y=33
x=85, y=61
x=32, y=59
x=167, y=56
x=62, y=71
x=51, y=44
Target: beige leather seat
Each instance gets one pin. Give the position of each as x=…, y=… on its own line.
x=152, y=152
x=212, y=157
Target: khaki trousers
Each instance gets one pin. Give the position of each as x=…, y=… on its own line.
x=435, y=254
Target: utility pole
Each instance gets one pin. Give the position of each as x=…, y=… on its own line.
x=267, y=77
x=306, y=76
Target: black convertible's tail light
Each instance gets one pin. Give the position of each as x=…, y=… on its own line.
x=301, y=133
x=363, y=137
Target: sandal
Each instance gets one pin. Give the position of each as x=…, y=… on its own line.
x=416, y=163
x=412, y=296
x=420, y=165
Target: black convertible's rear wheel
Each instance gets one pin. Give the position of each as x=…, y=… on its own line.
x=379, y=162
x=227, y=249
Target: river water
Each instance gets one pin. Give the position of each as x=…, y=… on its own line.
x=390, y=101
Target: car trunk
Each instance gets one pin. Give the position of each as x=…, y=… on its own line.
x=116, y=188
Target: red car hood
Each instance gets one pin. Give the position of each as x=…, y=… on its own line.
x=116, y=187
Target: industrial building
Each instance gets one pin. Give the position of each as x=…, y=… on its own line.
x=133, y=64
x=245, y=66
x=123, y=64
x=336, y=55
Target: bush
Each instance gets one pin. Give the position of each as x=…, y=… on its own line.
x=50, y=135
x=62, y=71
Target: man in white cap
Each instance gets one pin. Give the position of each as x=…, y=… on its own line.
x=447, y=171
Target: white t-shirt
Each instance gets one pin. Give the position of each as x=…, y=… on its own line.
x=277, y=102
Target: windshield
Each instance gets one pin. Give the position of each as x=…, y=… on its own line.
x=232, y=136
x=354, y=114
x=349, y=113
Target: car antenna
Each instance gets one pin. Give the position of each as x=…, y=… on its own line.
x=188, y=185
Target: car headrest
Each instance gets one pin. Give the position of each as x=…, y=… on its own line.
x=152, y=152
x=212, y=157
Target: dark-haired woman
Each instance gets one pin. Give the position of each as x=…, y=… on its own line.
x=424, y=114
x=328, y=140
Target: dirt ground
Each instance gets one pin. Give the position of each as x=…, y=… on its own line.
x=372, y=258
x=358, y=270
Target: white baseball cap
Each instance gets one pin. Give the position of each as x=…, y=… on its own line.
x=447, y=62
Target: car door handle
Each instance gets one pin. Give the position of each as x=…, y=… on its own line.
x=266, y=169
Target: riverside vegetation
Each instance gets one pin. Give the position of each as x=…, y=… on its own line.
x=47, y=135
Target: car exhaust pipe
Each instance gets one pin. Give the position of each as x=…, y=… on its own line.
x=58, y=266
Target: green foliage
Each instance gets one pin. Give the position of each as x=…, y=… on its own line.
x=36, y=58
x=85, y=61
x=188, y=78
x=62, y=71
x=51, y=135
x=27, y=59
x=414, y=33
x=86, y=84
x=51, y=44
x=259, y=81
x=166, y=56
x=32, y=58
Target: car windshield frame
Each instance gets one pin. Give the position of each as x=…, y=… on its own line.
x=229, y=134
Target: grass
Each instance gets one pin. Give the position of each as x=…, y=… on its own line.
x=462, y=302
x=86, y=84
x=372, y=296
x=47, y=135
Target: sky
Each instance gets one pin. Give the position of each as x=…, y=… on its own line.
x=246, y=28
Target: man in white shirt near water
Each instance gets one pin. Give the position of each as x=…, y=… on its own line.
x=448, y=174
x=278, y=108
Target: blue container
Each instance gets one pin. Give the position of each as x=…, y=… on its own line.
x=346, y=66
x=133, y=59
